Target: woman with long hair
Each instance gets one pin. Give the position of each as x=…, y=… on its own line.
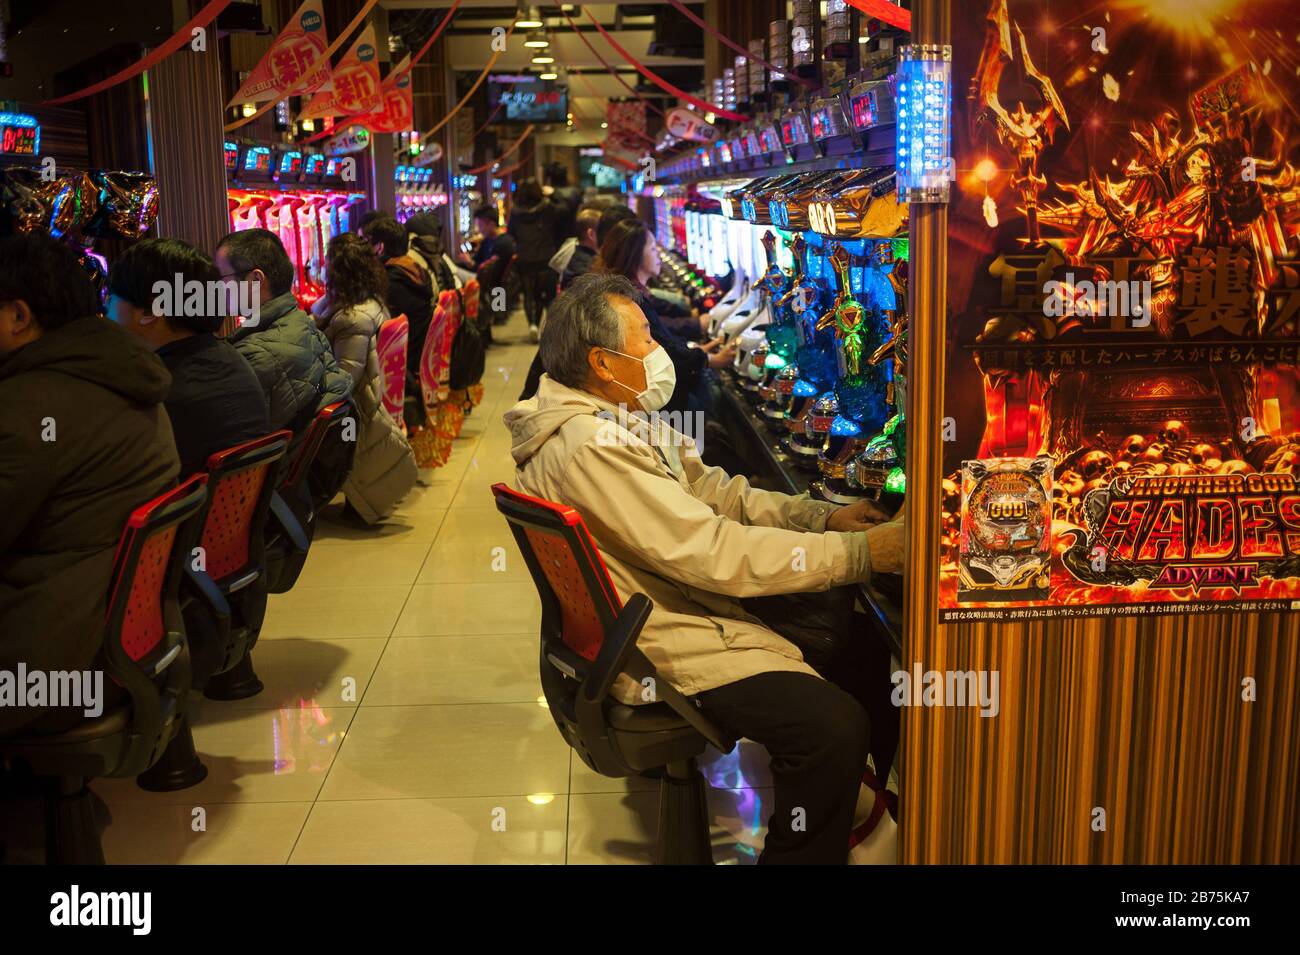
x=351, y=314
x=534, y=225
x=630, y=250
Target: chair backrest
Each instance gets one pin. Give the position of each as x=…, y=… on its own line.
x=144, y=575
x=394, y=337
x=144, y=649
x=579, y=602
x=294, y=478
x=240, y=483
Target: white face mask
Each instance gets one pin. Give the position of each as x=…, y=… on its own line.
x=660, y=379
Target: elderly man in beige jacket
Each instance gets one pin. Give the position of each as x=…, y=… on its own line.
x=697, y=541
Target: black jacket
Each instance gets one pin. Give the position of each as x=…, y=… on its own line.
x=536, y=234
x=690, y=364
x=580, y=264
x=84, y=441
x=410, y=293
x=215, y=400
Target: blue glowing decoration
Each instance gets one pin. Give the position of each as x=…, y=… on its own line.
x=805, y=389
x=843, y=427
x=924, y=123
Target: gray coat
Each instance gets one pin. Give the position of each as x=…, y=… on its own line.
x=384, y=469
x=293, y=363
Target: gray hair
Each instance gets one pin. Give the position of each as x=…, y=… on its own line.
x=580, y=319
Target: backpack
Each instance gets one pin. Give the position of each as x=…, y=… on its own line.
x=468, y=355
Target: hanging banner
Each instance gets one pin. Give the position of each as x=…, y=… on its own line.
x=626, y=134
x=398, y=111
x=356, y=87
x=1122, y=430
x=688, y=124
x=296, y=60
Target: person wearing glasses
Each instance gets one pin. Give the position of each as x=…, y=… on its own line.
x=292, y=359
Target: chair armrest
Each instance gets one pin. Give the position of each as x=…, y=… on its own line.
x=208, y=591
x=283, y=515
x=617, y=648
x=639, y=667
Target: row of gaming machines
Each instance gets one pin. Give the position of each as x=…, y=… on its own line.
x=299, y=195
x=814, y=267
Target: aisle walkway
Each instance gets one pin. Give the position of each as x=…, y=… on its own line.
x=402, y=718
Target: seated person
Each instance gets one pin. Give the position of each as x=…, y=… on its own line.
x=215, y=401
x=491, y=261
x=410, y=289
x=584, y=254
x=84, y=441
x=293, y=361
x=697, y=541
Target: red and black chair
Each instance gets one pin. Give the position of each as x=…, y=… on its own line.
x=223, y=597
x=146, y=654
x=588, y=640
x=308, y=484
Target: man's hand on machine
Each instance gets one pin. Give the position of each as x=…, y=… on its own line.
x=720, y=356
x=885, y=544
x=856, y=517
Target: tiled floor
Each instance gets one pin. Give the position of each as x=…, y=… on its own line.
x=402, y=720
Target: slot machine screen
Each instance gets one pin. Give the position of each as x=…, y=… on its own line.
x=771, y=140
x=232, y=157
x=752, y=147
x=720, y=264
x=257, y=159
x=290, y=163
x=724, y=152
x=314, y=165
x=331, y=167
x=794, y=130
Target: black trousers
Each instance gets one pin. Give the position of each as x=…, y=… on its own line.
x=539, y=285
x=817, y=732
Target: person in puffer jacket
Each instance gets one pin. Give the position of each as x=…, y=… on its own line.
x=351, y=314
x=291, y=358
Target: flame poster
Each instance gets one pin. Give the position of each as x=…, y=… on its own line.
x=1122, y=416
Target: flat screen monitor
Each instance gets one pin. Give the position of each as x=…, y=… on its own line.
x=522, y=99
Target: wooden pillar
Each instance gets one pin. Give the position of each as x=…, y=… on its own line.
x=185, y=117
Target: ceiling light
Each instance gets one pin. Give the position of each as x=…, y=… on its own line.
x=528, y=18
x=604, y=125
x=543, y=58
x=537, y=41
x=550, y=75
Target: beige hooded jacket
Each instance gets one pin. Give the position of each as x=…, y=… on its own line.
x=688, y=536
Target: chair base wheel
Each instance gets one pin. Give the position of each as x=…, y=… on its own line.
x=179, y=767
x=237, y=683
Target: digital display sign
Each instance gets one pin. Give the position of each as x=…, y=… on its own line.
x=724, y=152
x=771, y=140
x=314, y=164
x=291, y=162
x=20, y=134
x=257, y=159
x=332, y=166
x=232, y=156
x=522, y=99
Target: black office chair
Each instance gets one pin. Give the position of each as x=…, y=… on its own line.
x=145, y=652
x=588, y=640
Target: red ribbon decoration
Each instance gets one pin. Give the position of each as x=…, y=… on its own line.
x=662, y=83
x=682, y=9
x=612, y=72
x=175, y=42
x=890, y=13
